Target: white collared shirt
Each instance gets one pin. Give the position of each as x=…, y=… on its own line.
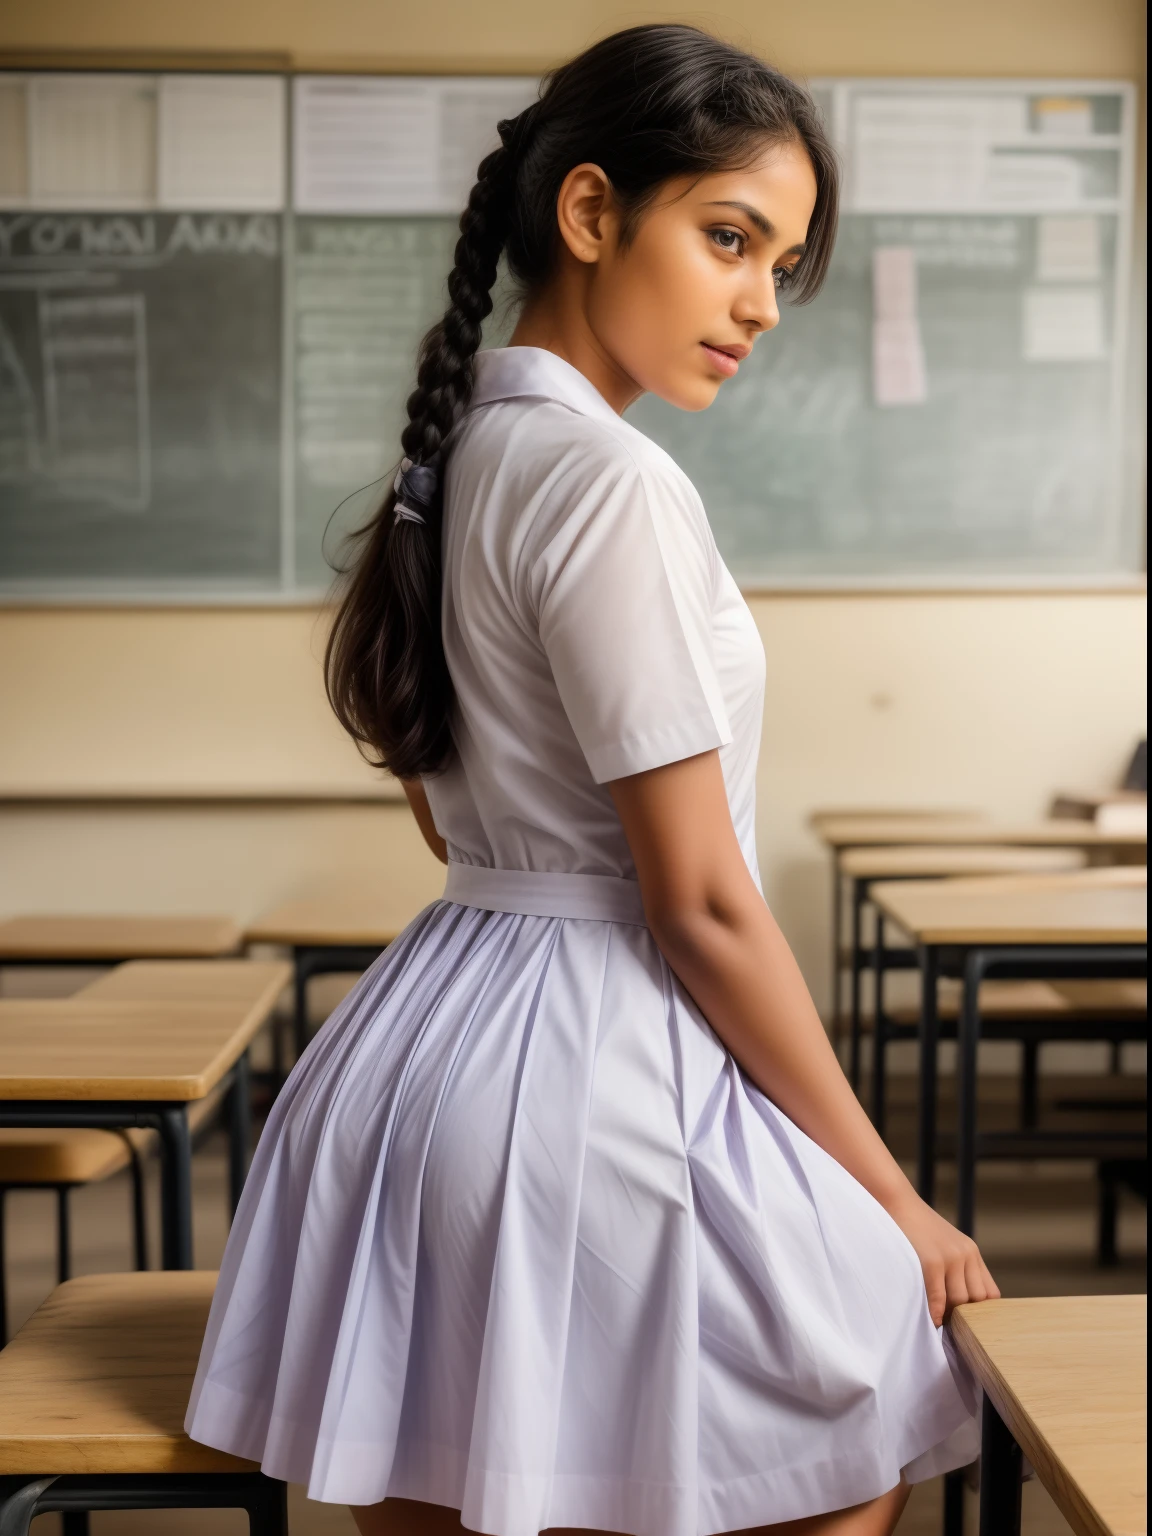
x=591, y=628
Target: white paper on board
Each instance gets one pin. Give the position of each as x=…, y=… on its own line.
x=1065, y=117
x=92, y=141
x=1030, y=180
x=222, y=142
x=369, y=145
x=1068, y=249
x=365, y=145
x=1064, y=325
x=913, y=153
x=469, y=112
x=899, y=370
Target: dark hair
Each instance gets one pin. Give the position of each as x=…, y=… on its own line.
x=646, y=105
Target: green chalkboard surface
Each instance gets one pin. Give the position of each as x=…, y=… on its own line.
x=140, y=387
x=202, y=403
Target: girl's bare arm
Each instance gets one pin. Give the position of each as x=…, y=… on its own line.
x=717, y=934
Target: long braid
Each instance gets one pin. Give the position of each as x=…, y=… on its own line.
x=385, y=671
x=444, y=373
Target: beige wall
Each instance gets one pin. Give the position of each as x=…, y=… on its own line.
x=984, y=700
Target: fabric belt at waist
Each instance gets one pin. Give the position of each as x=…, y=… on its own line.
x=605, y=898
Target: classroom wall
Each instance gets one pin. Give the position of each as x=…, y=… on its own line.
x=989, y=700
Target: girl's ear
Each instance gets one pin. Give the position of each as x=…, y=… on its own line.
x=586, y=213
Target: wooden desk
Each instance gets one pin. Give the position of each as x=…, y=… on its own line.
x=326, y=937
x=839, y=833
x=875, y=831
x=102, y=1371
x=111, y=1063
x=1064, y=1382
x=109, y=940
x=1092, y=924
x=886, y=813
x=861, y=866
x=93, y=1393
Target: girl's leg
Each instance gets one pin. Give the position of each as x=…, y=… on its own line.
x=405, y=1517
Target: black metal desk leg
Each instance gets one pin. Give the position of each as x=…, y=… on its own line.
x=954, y=1503
x=967, y=1053
x=176, y=1186
x=858, y=889
x=300, y=974
x=836, y=1021
x=879, y=1030
x=1030, y=1086
x=1001, y=1472
x=929, y=1039
x=239, y=1123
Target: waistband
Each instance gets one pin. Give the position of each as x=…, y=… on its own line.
x=604, y=898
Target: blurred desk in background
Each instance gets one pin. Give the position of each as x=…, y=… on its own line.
x=862, y=866
x=1089, y=925
x=327, y=937
x=110, y=940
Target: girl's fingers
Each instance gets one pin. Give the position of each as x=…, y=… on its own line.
x=976, y=1278
x=936, y=1291
x=955, y=1284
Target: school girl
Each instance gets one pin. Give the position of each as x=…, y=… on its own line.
x=568, y=1219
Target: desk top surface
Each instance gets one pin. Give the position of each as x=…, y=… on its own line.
x=335, y=923
x=83, y=1048
x=1091, y=906
x=98, y=1378
x=959, y=859
x=874, y=831
x=255, y=982
x=117, y=938
x=1068, y=1376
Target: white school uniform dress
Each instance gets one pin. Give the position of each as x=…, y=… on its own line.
x=520, y=1238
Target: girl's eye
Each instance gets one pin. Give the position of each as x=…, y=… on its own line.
x=733, y=240
x=783, y=276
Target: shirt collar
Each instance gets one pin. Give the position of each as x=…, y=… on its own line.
x=510, y=373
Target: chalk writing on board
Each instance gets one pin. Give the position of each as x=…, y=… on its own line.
x=140, y=407
x=19, y=445
x=96, y=396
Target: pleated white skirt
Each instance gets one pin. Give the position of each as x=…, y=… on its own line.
x=519, y=1238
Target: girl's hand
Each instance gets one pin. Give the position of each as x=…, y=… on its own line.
x=954, y=1272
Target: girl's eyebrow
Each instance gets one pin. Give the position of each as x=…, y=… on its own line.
x=765, y=226
x=753, y=215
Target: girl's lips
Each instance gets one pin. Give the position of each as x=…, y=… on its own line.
x=723, y=362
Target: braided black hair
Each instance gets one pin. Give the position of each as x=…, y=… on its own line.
x=647, y=104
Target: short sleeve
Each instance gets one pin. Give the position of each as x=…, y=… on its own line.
x=623, y=592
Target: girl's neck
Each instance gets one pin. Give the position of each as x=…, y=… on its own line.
x=558, y=323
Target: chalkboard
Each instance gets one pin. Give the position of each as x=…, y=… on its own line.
x=212, y=290
x=140, y=401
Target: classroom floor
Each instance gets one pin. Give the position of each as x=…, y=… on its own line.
x=1036, y=1228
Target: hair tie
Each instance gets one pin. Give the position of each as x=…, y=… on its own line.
x=416, y=486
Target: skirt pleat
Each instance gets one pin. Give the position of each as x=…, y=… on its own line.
x=521, y=1239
